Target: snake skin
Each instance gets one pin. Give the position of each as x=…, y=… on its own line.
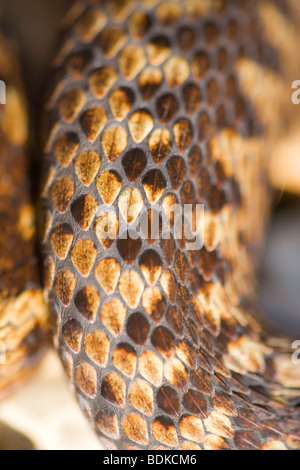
x=155, y=103
x=23, y=312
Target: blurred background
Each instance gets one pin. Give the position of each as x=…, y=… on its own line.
x=43, y=414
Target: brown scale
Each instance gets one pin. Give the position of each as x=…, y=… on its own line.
x=23, y=314
x=169, y=103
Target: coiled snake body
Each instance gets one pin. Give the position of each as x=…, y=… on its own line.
x=23, y=314
x=157, y=103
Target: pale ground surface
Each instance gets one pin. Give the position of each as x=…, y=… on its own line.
x=45, y=411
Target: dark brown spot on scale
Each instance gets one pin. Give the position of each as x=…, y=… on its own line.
x=134, y=163
x=191, y=98
x=87, y=302
x=186, y=39
x=163, y=340
x=93, y=122
x=247, y=440
x=154, y=303
x=129, y=248
x=65, y=148
x=167, y=106
x=183, y=132
x=177, y=171
x=164, y=431
x=113, y=389
x=139, y=24
x=154, y=185
x=72, y=333
x=216, y=200
x=151, y=266
x=158, y=50
x=120, y=101
x=138, y=329
x=169, y=401
x=109, y=185
x=202, y=381
x=124, y=358
x=196, y=404
x=84, y=210
x=160, y=145
x=149, y=82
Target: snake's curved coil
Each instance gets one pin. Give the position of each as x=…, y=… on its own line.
x=157, y=103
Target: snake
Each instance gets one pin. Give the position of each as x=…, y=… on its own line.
x=23, y=312
x=154, y=107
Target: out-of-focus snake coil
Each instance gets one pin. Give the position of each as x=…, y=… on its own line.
x=162, y=103
x=23, y=313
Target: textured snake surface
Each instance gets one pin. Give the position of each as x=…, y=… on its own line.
x=23, y=313
x=157, y=103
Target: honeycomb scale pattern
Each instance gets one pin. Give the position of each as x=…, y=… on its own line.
x=149, y=108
